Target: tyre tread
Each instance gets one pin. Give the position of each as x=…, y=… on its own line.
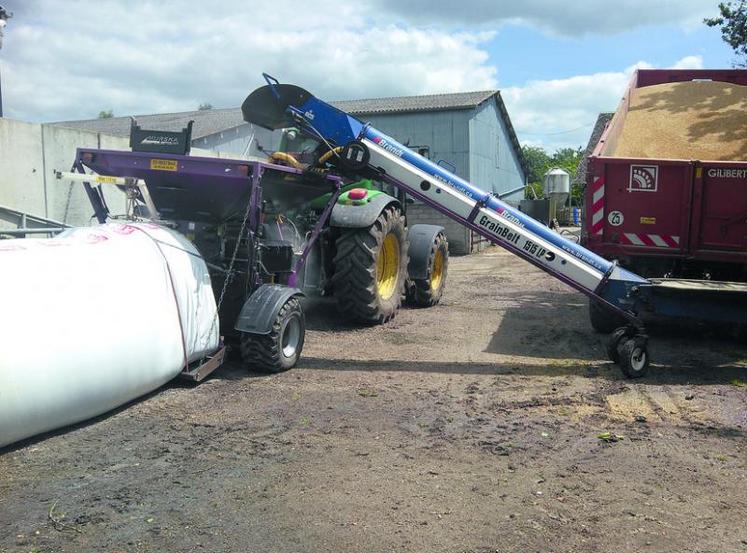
x=262, y=351
x=354, y=279
x=419, y=292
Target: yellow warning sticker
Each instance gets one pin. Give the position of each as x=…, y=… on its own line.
x=106, y=180
x=648, y=220
x=163, y=164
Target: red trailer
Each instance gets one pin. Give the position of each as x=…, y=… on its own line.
x=681, y=218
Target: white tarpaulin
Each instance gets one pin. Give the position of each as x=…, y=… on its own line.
x=94, y=318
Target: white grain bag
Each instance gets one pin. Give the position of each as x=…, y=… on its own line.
x=94, y=318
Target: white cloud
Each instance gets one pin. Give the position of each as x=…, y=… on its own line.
x=579, y=17
x=69, y=60
x=561, y=112
x=689, y=62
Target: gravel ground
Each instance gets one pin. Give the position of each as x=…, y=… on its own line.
x=470, y=427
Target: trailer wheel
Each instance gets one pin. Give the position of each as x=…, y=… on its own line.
x=602, y=319
x=634, y=358
x=614, y=342
x=280, y=349
x=427, y=292
x=371, y=269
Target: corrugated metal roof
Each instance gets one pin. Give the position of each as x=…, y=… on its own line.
x=427, y=102
x=207, y=122
x=213, y=121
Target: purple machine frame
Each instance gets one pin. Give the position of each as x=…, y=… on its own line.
x=214, y=187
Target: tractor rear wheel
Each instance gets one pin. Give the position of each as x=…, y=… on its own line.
x=371, y=269
x=280, y=349
x=427, y=292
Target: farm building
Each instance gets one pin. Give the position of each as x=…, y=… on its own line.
x=596, y=134
x=469, y=131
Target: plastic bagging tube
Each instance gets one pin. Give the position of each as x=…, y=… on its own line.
x=94, y=318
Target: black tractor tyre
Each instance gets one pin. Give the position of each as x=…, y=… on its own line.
x=370, y=269
x=617, y=336
x=603, y=319
x=279, y=350
x=427, y=292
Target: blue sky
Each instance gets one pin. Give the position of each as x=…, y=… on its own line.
x=557, y=64
x=523, y=53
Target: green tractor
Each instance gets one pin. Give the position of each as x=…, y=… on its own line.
x=364, y=256
x=367, y=258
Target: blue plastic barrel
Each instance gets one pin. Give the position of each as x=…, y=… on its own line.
x=576, y=216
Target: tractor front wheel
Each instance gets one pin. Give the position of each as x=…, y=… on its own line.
x=280, y=349
x=427, y=292
x=371, y=268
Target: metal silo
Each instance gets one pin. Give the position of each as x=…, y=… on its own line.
x=557, y=189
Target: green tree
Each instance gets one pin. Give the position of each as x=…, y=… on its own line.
x=108, y=114
x=537, y=160
x=537, y=165
x=205, y=106
x=732, y=21
x=540, y=162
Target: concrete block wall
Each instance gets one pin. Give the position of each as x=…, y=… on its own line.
x=458, y=236
x=22, y=167
x=30, y=154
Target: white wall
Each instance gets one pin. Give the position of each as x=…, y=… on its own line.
x=21, y=167
x=59, y=152
x=31, y=153
x=29, y=156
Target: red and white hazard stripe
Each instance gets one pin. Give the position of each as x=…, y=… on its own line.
x=597, y=206
x=651, y=240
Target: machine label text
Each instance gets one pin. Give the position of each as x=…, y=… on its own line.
x=163, y=165
x=616, y=218
x=391, y=148
x=728, y=173
x=504, y=233
x=534, y=249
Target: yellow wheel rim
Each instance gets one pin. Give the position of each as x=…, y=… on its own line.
x=387, y=267
x=437, y=274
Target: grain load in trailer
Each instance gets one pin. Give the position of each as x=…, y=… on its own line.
x=685, y=120
x=98, y=317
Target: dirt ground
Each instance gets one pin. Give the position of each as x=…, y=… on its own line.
x=471, y=427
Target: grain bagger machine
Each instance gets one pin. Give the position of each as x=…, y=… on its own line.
x=354, y=149
x=271, y=232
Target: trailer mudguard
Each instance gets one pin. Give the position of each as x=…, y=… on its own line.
x=361, y=216
x=261, y=308
x=421, y=239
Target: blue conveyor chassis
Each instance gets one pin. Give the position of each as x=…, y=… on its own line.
x=364, y=151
